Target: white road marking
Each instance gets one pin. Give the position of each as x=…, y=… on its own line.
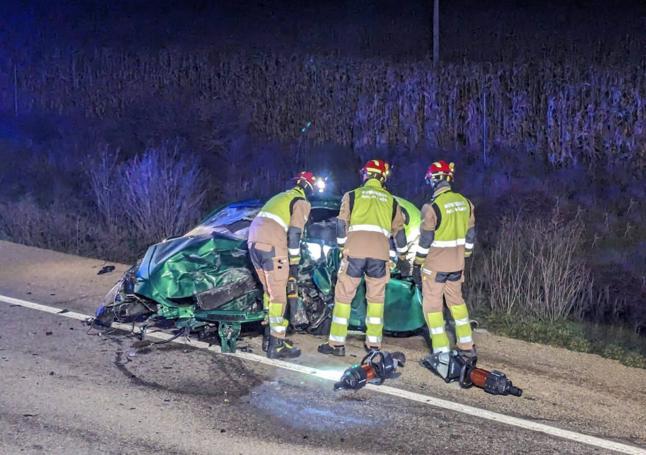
x=386, y=390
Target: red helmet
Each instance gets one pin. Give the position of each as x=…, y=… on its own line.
x=306, y=176
x=440, y=169
x=376, y=167
x=308, y=180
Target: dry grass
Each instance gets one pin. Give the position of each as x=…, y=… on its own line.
x=156, y=194
x=564, y=112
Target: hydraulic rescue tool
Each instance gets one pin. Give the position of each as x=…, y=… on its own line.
x=375, y=368
x=455, y=367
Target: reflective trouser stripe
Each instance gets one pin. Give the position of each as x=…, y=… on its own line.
x=374, y=323
x=277, y=323
x=339, y=327
x=265, y=301
x=373, y=341
x=463, y=333
x=439, y=339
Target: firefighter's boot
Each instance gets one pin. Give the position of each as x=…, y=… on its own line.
x=280, y=348
x=326, y=348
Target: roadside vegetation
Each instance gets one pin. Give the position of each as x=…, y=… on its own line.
x=108, y=147
x=616, y=342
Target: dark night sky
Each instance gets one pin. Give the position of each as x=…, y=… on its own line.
x=470, y=29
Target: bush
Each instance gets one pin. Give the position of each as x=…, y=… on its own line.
x=155, y=195
x=163, y=192
x=535, y=270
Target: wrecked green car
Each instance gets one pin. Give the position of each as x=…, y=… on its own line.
x=203, y=282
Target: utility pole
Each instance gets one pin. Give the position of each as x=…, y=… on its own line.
x=436, y=32
x=15, y=89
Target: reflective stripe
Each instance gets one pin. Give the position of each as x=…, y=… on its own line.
x=278, y=320
x=278, y=328
x=468, y=246
x=337, y=338
x=403, y=249
x=294, y=251
x=341, y=240
x=466, y=339
x=464, y=321
x=369, y=228
x=421, y=250
x=442, y=349
x=373, y=339
x=437, y=330
x=338, y=320
x=448, y=243
x=373, y=320
x=426, y=271
x=276, y=218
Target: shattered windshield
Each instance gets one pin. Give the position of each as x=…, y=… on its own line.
x=233, y=220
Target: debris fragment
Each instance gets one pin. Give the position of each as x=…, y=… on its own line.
x=106, y=269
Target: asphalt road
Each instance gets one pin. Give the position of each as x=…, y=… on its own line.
x=66, y=391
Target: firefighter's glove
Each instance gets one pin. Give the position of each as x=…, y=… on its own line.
x=403, y=266
x=417, y=275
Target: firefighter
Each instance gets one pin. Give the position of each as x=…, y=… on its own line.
x=274, y=248
x=369, y=215
x=412, y=221
x=447, y=236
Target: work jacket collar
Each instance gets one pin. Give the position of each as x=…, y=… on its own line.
x=374, y=183
x=300, y=191
x=442, y=187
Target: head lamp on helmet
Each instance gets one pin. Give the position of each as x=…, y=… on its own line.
x=309, y=182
